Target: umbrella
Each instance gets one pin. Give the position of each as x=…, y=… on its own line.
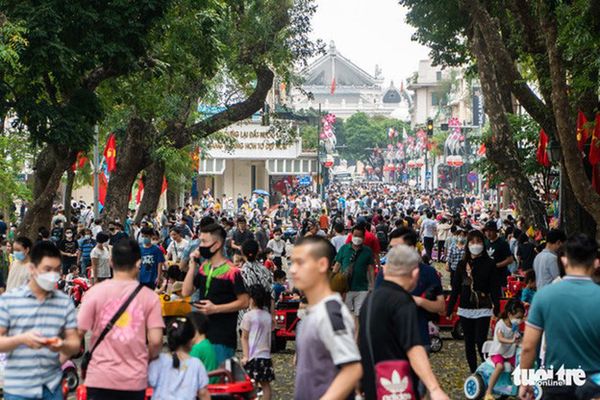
x=261, y=192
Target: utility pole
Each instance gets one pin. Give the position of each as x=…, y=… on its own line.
x=96, y=173
x=319, y=177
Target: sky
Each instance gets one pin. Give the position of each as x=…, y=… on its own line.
x=370, y=32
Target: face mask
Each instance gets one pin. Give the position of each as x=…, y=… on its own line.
x=87, y=237
x=462, y=240
x=357, y=241
x=69, y=235
x=19, y=255
x=277, y=237
x=476, y=249
x=155, y=242
x=516, y=321
x=146, y=240
x=206, y=252
x=47, y=281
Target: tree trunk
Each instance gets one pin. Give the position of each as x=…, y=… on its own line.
x=172, y=198
x=152, y=189
x=49, y=168
x=565, y=121
x=68, y=194
x=132, y=157
x=501, y=149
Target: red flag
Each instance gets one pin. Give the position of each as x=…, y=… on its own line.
x=164, y=185
x=138, y=196
x=80, y=162
x=103, y=184
x=110, y=153
x=333, y=85
x=596, y=178
x=594, y=157
x=542, y=154
x=582, y=132
x=482, y=149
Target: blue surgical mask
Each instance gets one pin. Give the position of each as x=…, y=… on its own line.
x=146, y=240
x=19, y=255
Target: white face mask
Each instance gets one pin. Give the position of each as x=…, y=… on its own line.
x=476, y=249
x=357, y=241
x=516, y=321
x=277, y=237
x=47, y=281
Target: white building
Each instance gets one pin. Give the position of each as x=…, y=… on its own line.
x=343, y=88
x=258, y=160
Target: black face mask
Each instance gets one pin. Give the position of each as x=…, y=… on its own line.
x=206, y=252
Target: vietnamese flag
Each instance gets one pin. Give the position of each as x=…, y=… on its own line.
x=594, y=157
x=110, y=153
x=103, y=185
x=582, y=132
x=164, y=185
x=140, y=189
x=542, y=154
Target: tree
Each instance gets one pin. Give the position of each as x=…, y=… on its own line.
x=515, y=45
x=363, y=132
x=71, y=48
x=213, y=52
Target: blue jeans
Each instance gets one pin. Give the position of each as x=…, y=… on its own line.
x=46, y=395
x=222, y=352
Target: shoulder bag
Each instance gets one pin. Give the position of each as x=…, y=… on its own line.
x=340, y=281
x=87, y=357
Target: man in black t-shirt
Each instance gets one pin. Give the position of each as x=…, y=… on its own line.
x=221, y=288
x=69, y=249
x=389, y=325
x=240, y=235
x=499, y=250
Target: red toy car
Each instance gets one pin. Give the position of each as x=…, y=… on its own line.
x=451, y=323
x=234, y=384
x=286, y=321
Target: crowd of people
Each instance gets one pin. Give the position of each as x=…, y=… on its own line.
x=366, y=263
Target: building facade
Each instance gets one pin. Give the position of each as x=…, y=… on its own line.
x=255, y=159
x=342, y=88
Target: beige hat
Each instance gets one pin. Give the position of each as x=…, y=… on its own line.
x=177, y=287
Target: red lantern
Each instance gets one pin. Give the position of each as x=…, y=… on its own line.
x=458, y=161
x=419, y=163
x=411, y=164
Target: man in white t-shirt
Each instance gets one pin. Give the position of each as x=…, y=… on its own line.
x=428, y=232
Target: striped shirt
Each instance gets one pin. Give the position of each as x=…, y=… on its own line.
x=28, y=370
x=86, y=246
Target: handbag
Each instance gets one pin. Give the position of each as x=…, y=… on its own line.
x=478, y=298
x=393, y=378
x=340, y=281
x=87, y=357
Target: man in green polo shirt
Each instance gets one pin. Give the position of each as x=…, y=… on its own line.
x=566, y=313
x=359, y=259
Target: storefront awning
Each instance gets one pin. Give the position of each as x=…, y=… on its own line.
x=291, y=166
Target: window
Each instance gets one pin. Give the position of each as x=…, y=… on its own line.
x=438, y=76
x=435, y=99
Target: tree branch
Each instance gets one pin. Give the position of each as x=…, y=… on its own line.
x=238, y=111
x=504, y=63
x=97, y=76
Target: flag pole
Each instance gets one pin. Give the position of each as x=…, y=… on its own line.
x=96, y=171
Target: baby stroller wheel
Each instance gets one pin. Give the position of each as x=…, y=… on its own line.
x=436, y=344
x=71, y=379
x=474, y=387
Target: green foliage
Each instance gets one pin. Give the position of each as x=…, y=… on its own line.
x=526, y=133
x=14, y=153
x=441, y=26
x=71, y=46
x=363, y=132
x=309, y=135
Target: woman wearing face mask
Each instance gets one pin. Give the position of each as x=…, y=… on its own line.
x=18, y=272
x=277, y=244
x=473, y=282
